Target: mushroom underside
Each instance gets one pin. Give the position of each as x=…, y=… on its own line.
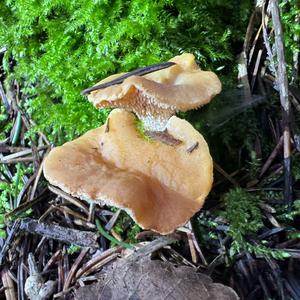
x=155, y=97
x=153, y=114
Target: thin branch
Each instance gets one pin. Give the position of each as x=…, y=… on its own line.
x=283, y=86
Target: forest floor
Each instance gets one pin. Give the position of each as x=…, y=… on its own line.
x=254, y=247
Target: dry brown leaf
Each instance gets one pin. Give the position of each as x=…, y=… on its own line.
x=156, y=280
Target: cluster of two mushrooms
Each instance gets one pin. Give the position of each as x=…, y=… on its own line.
x=160, y=181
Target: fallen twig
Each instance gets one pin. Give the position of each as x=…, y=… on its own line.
x=8, y=240
x=271, y=157
x=94, y=261
x=152, y=247
x=74, y=268
x=8, y=285
x=282, y=82
x=69, y=198
x=67, y=235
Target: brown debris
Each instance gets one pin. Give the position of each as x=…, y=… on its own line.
x=164, y=137
x=193, y=148
x=154, y=280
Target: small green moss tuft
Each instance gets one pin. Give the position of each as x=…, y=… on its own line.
x=141, y=130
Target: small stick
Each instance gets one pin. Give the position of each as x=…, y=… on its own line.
x=192, y=148
x=225, y=174
x=91, y=215
x=18, y=160
x=254, y=44
x=27, y=205
x=271, y=157
x=66, y=261
x=197, y=246
x=295, y=102
x=71, y=274
x=60, y=273
x=152, y=247
x=8, y=284
x=65, y=209
x=100, y=264
x=179, y=257
x=164, y=137
x=96, y=260
x=265, y=19
x=112, y=220
x=67, y=235
x=192, y=248
x=12, y=149
x=84, y=223
x=272, y=220
x=38, y=176
x=115, y=235
x=218, y=260
x=52, y=260
x=46, y=213
x=24, y=189
x=20, y=273
x=284, y=99
x=69, y=198
x=257, y=64
x=63, y=293
x=137, y=72
x=9, y=239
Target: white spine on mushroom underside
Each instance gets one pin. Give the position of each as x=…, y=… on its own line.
x=153, y=115
x=154, y=123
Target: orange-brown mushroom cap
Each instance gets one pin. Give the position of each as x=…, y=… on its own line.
x=155, y=97
x=160, y=185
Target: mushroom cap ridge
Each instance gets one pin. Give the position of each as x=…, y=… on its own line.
x=159, y=185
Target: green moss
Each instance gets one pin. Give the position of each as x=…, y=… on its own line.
x=10, y=190
x=242, y=213
x=5, y=124
x=62, y=47
x=73, y=249
x=296, y=168
x=141, y=130
x=129, y=234
x=290, y=11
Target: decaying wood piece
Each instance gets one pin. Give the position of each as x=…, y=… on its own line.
x=67, y=235
x=8, y=285
x=35, y=287
x=283, y=86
